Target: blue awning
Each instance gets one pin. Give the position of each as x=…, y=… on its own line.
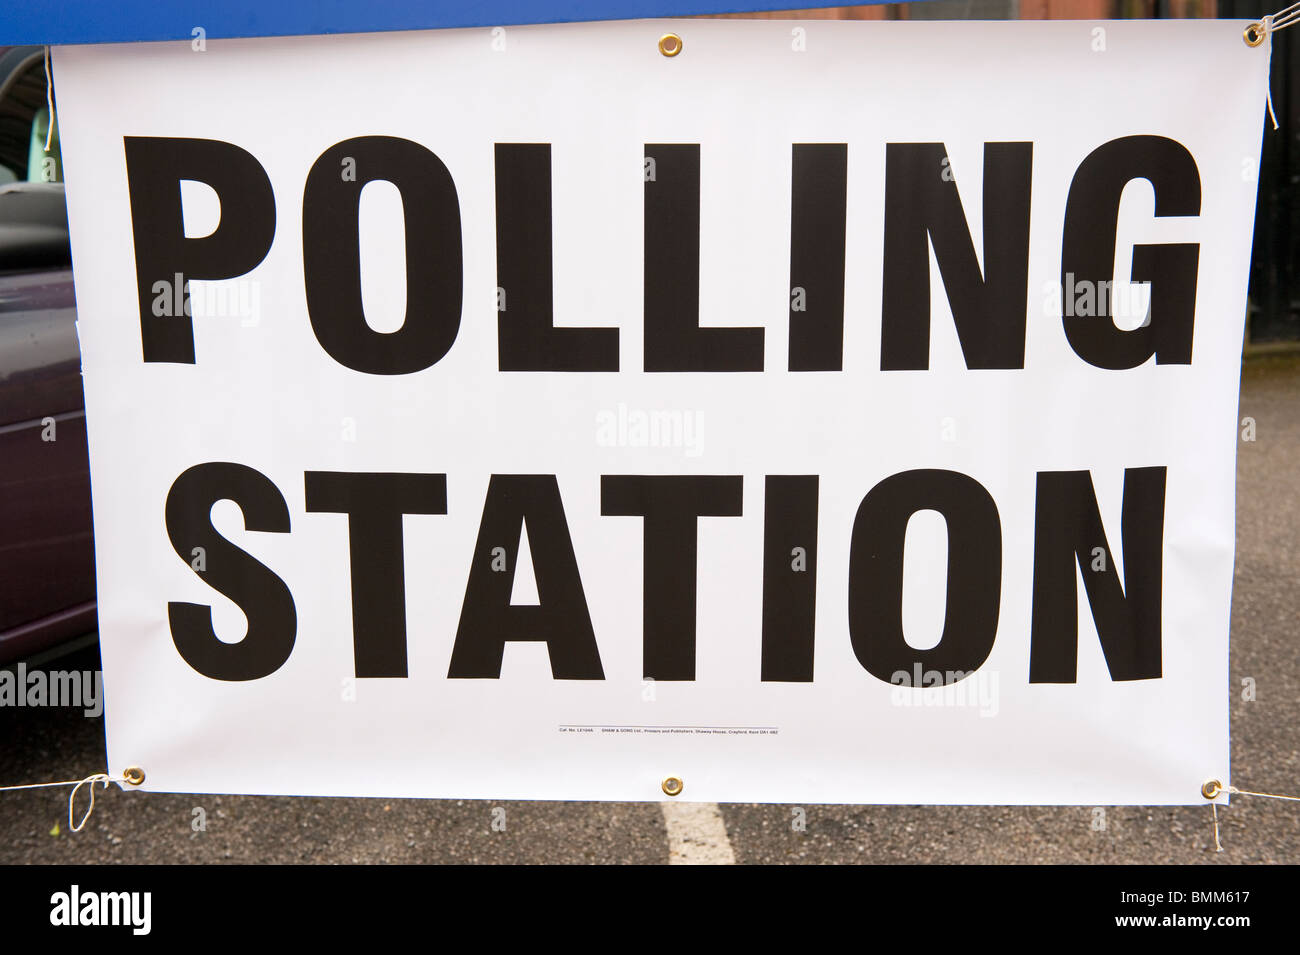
x=94, y=21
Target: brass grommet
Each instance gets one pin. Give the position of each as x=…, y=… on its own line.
x=670, y=44
x=1253, y=34
x=1211, y=788
x=133, y=775
x=672, y=785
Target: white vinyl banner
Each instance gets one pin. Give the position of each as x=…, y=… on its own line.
x=828, y=412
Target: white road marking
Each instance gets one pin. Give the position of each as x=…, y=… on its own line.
x=696, y=834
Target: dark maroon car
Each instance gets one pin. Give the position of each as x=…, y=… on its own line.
x=47, y=569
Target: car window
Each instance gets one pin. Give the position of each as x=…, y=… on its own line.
x=33, y=218
x=25, y=120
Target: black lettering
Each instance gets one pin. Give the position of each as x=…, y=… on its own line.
x=1067, y=530
x=488, y=620
x=527, y=339
x=970, y=620
x=674, y=340
x=155, y=168
x=671, y=506
x=375, y=504
x=923, y=207
x=331, y=255
x=260, y=593
x=1088, y=253
x=789, y=577
x=818, y=215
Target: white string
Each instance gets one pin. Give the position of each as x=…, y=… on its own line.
x=50, y=100
x=1234, y=791
x=76, y=784
x=1285, y=18
x=1266, y=27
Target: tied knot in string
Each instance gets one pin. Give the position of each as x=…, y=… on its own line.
x=1234, y=791
x=102, y=778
